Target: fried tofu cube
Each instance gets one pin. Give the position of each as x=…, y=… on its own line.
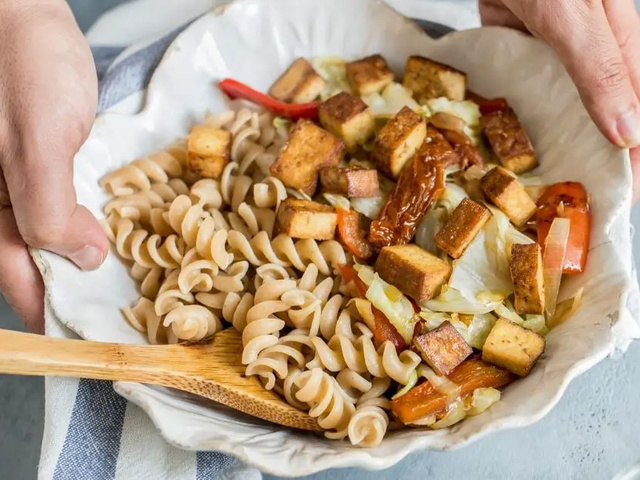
x=412, y=270
x=509, y=141
x=513, y=347
x=300, y=83
x=429, y=79
x=208, y=150
x=507, y=193
x=462, y=227
x=398, y=141
x=306, y=219
x=347, y=117
x=443, y=348
x=309, y=149
x=354, y=182
x=369, y=75
x=528, y=279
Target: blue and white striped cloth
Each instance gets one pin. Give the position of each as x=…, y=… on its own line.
x=90, y=432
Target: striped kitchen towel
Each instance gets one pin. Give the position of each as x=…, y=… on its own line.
x=91, y=433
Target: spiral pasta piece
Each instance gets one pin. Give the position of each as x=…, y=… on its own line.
x=159, y=167
x=138, y=245
x=326, y=401
x=232, y=306
x=275, y=361
x=232, y=279
x=143, y=318
x=196, y=273
x=262, y=325
x=192, y=323
x=368, y=425
x=269, y=193
x=234, y=188
x=149, y=279
x=170, y=296
x=362, y=356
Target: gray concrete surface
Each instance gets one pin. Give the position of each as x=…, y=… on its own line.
x=592, y=434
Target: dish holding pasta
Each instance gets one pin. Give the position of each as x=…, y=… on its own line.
x=376, y=243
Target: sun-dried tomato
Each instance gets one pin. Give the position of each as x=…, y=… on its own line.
x=420, y=183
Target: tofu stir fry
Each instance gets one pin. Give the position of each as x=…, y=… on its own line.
x=455, y=255
x=383, y=243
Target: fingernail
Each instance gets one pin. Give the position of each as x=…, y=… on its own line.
x=87, y=258
x=629, y=129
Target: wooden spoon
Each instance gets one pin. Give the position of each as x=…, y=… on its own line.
x=213, y=370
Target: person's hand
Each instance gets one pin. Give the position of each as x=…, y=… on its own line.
x=599, y=43
x=48, y=94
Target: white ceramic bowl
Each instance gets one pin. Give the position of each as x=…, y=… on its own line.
x=254, y=41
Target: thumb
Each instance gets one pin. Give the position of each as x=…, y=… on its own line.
x=580, y=33
x=47, y=214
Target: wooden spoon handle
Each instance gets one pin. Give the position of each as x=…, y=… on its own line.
x=28, y=354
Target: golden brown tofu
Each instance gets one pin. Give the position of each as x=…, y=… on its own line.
x=442, y=348
x=369, y=75
x=412, y=270
x=429, y=79
x=509, y=141
x=507, y=193
x=306, y=219
x=462, y=227
x=528, y=279
x=208, y=150
x=354, y=182
x=349, y=118
x=309, y=149
x=398, y=141
x=513, y=347
x=300, y=83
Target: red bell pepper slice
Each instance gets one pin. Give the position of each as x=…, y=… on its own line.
x=352, y=234
x=487, y=105
x=384, y=329
x=575, y=207
x=234, y=89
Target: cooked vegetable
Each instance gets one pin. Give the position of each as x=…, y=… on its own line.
x=447, y=121
x=353, y=235
x=234, y=89
x=309, y=150
x=465, y=148
x=508, y=140
x=555, y=248
x=390, y=101
x=465, y=110
x=443, y=348
x=487, y=105
x=306, y=219
x=570, y=199
x=566, y=309
x=430, y=79
x=425, y=400
x=420, y=183
x=414, y=271
x=513, y=347
x=482, y=399
x=535, y=323
x=383, y=329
